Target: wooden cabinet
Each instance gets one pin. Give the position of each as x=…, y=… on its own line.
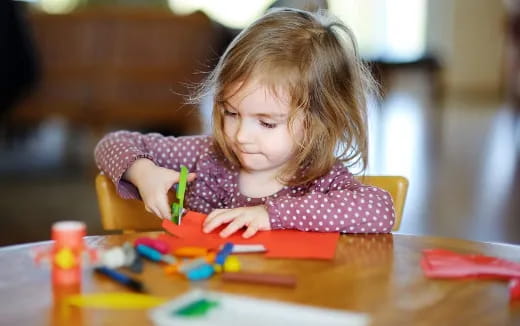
x=123, y=68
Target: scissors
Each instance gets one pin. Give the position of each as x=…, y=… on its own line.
x=177, y=208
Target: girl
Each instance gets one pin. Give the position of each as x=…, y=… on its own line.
x=288, y=118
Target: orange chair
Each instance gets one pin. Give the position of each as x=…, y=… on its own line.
x=130, y=215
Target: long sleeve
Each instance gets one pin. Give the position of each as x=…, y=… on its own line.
x=116, y=152
x=336, y=202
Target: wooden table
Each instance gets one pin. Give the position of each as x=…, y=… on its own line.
x=374, y=274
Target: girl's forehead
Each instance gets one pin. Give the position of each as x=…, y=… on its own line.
x=257, y=91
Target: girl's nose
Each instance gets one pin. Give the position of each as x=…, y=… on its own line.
x=243, y=133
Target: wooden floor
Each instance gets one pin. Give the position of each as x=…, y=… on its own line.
x=460, y=153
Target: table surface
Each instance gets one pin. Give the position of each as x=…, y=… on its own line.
x=374, y=274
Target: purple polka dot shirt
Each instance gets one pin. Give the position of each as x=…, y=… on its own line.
x=335, y=202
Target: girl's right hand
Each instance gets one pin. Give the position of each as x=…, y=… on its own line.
x=153, y=183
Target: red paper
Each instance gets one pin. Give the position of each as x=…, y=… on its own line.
x=279, y=243
x=439, y=263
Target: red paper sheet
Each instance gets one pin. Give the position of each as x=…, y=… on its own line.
x=440, y=263
x=279, y=243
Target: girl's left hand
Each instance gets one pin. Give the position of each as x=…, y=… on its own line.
x=255, y=218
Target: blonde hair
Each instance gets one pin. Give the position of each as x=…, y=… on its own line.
x=314, y=59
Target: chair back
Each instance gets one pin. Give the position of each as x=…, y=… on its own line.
x=130, y=215
x=397, y=186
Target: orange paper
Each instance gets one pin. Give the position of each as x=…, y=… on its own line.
x=279, y=243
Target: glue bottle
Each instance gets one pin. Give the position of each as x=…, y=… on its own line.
x=67, y=252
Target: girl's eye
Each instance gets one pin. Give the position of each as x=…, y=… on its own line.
x=229, y=113
x=268, y=125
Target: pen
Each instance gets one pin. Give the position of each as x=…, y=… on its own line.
x=120, y=278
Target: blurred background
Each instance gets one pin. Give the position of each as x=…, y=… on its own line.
x=448, y=118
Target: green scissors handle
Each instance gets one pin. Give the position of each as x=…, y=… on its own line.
x=177, y=208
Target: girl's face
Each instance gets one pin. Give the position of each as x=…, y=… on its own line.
x=256, y=128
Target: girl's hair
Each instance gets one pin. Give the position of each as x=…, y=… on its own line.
x=314, y=59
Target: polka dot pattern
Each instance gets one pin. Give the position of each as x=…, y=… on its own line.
x=335, y=202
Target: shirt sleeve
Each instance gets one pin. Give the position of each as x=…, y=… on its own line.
x=116, y=152
x=334, y=203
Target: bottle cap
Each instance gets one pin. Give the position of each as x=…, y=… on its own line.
x=69, y=233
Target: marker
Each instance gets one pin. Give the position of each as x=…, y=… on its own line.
x=190, y=251
x=156, y=244
x=154, y=255
x=223, y=253
x=121, y=278
x=201, y=272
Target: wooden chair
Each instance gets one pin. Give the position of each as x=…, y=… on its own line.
x=122, y=214
x=397, y=186
x=130, y=215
